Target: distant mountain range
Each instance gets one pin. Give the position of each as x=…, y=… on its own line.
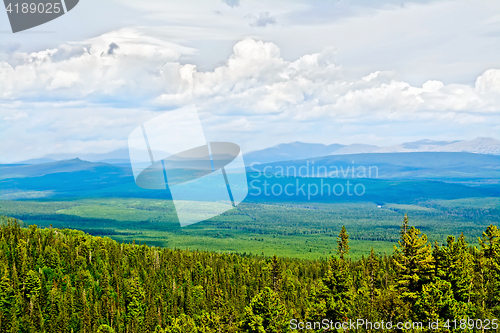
x=301, y=150
x=442, y=166
x=115, y=156
x=65, y=166
x=119, y=156
x=389, y=177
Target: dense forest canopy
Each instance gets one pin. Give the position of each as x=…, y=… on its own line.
x=61, y=280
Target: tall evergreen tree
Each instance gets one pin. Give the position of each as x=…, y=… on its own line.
x=343, y=243
x=489, y=263
x=413, y=261
x=266, y=313
x=373, y=265
x=276, y=274
x=337, y=280
x=455, y=263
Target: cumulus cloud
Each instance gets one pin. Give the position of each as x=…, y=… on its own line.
x=489, y=82
x=256, y=80
x=113, y=65
x=117, y=76
x=63, y=79
x=120, y=67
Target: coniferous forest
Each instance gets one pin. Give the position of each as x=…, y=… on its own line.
x=54, y=280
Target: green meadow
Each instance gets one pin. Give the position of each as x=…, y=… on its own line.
x=305, y=230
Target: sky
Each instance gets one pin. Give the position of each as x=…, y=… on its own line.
x=259, y=72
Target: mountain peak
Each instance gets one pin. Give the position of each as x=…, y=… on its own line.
x=76, y=160
x=478, y=145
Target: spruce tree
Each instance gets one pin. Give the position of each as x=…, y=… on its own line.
x=490, y=242
x=343, y=243
x=275, y=274
x=413, y=261
x=266, y=313
x=373, y=265
x=489, y=261
x=337, y=280
x=455, y=263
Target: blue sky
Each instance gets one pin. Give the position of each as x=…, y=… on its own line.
x=259, y=72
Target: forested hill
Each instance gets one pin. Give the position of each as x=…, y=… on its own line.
x=55, y=280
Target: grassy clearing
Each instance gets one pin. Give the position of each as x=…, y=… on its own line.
x=300, y=230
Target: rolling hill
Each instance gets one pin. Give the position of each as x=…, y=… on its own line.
x=301, y=150
x=430, y=171
x=425, y=165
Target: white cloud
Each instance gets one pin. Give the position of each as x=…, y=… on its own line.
x=63, y=79
x=489, y=82
x=90, y=69
x=120, y=67
x=97, y=90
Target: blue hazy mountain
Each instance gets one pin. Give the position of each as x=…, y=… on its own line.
x=65, y=166
x=72, y=178
x=301, y=150
x=117, y=157
x=420, y=165
x=419, y=175
x=37, y=161
x=290, y=151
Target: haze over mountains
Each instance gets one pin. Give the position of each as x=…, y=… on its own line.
x=439, y=169
x=119, y=156
x=301, y=150
x=396, y=177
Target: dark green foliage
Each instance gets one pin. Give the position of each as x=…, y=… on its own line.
x=343, y=243
x=54, y=280
x=413, y=260
x=266, y=313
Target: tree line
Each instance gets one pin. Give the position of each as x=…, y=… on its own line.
x=61, y=280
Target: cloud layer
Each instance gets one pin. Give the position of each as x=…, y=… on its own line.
x=127, y=66
x=255, y=91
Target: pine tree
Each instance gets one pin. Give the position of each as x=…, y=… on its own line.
x=134, y=302
x=343, y=243
x=337, y=280
x=265, y=313
x=414, y=262
x=373, y=265
x=490, y=242
x=32, y=284
x=490, y=262
x=454, y=263
x=7, y=298
x=404, y=226
x=435, y=302
x=276, y=274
